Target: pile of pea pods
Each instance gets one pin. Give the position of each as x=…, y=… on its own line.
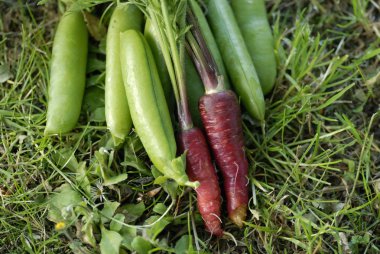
x=138, y=91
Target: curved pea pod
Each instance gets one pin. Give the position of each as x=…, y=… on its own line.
x=236, y=57
x=67, y=74
x=253, y=22
x=148, y=107
x=195, y=90
x=210, y=40
x=152, y=36
x=119, y=122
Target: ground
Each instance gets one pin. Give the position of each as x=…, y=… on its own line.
x=313, y=164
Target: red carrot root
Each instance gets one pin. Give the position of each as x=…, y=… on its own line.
x=200, y=168
x=221, y=117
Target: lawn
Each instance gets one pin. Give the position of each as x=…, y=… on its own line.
x=314, y=180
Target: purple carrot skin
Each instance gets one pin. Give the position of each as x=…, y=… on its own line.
x=199, y=168
x=221, y=116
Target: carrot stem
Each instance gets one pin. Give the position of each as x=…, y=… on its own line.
x=184, y=114
x=166, y=53
x=202, y=58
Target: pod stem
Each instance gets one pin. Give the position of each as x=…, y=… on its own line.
x=202, y=58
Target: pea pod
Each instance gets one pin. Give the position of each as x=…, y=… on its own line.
x=252, y=19
x=119, y=122
x=149, y=111
x=67, y=74
x=210, y=40
x=236, y=57
x=152, y=36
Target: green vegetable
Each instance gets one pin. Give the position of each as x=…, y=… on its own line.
x=195, y=90
x=252, y=19
x=236, y=57
x=149, y=111
x=210, y=40
x=152, y=36
x=119, y=122
x=67, y=74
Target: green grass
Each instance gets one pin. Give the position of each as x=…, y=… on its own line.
x=314, y=165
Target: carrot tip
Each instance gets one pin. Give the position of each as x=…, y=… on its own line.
x=238, y=215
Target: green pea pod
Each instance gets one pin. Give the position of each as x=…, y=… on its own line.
x=119, y=122
x=149, y=111
x=210, y=40
x=252, y=19
x=195, y=90
x=152, y=36
x=67, y=74
x=236, y=57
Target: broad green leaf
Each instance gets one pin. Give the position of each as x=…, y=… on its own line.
x=160, y=208
x=88, y=233
x=98, y=115
x=108, y=210
x=128, y=234
x=111, y=241
x=184, y=245
x=62, y=202
x=160, y=180
x=133, y=211
x=171, y=187
x=141, y=246
x=155, y=172
x=159, y=225
x=116, y=222
x=115, y=179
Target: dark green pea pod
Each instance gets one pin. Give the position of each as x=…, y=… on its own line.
x=148, y=107
x=195, y=90
x=252, y=19
x=67, y=74
x=236, y=57
x=152, y=36
x=119, y=122
x=210, y=40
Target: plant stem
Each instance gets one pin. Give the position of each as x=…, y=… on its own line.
x=203, y=58
x=166, y=53
x=184, y=114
